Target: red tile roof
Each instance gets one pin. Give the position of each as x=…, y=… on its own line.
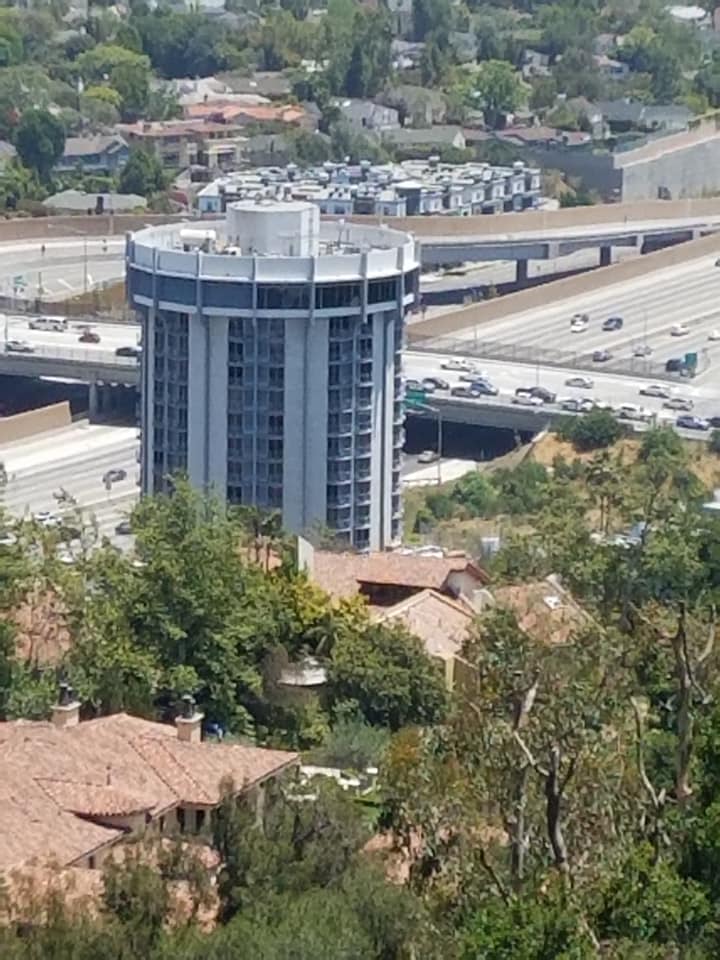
x=343, y=574
x=112, y=766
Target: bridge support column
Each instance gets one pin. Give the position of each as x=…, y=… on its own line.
x=521, y=272
x=605, y=256
x=93, y=400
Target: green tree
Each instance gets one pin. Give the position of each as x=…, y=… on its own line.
x=593, y=430
x=498, y=90
x=385, y=670
x=142, y=174
x=40, y=141
x=132, y=82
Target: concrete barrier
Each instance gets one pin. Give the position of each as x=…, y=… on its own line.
x=28, y=424
x=539, y=297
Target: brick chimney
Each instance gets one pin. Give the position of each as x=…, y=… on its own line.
x=189, y=723
x=66, y=712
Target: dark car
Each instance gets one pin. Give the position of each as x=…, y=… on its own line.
x=435, y=383
x=483, y=388
x=123, y=529
x=114, y=476
x=465, y=392
x=601, y=356
x=714, y=422
x=675, y=365
x=688, y=422
x=547, y=396
x=89, y=336
x=128, y=352
x=613, y=323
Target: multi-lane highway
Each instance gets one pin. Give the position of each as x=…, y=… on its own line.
x=73, y=459
x=650, y=306
x=607, y=389
x=55, y=269
x=112, y=335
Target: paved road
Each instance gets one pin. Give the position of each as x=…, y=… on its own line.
x=649, y=305
x=112, y=336
x=75, y=459
x=26, y=272
x=607, y=389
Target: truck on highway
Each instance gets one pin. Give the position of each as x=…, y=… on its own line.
x=55, y=324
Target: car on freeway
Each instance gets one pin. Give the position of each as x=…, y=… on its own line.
x=53, y=324
x=714, y=334
x=585, y=383
x=434, y=383
x=19, y=346
x=717, y=262
x=527, y=400
x=47, y=519
x=642, y=350
x=631, y=411
x=571, y=404
x=89, y=336
x=472, y=373
x=655, y=390
x=454, y=364
x=543, y=394
x=124, y=528
x=428, y=456
x=463, y=393
x=613, y=323
x=483, y=388
x=714, y=421
x=679, y=330
x=688, y=422
x=413, y=385
x=601, y=356
x=579, y=324
x=587, y=404
x=579, y=318
x=114, y=475
x=128, y=352
x=675, y=365
x=679, y=403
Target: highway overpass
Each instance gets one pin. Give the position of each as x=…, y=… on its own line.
x=58, y=257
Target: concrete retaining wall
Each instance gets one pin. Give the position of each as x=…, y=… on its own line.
x=538, y=297
x=27, y=424
x=662, y=211
x=536, y=220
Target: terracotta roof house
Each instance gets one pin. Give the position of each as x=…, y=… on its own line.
x=544, y=609
x=71, y=791
x=387, y=578
x=441, y=624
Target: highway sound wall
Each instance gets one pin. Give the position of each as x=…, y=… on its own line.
x=538, y=297
x=32, y=422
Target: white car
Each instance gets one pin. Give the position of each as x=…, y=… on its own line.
x=679, y=330
x=454, y=364
x=46, y=519
x=585, y=383
x=714, y=334
x=428, y=456
x=527, y=400
x=655, y=390
x=631, y=411
x=642, y=350
x=579, y=326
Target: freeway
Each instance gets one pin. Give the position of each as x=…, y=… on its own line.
x=65, y=267
x=607, y=388
x=649, y=305
x=74, y=458
x=112, y=336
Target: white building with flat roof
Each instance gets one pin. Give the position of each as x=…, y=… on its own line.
x=271, y=364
